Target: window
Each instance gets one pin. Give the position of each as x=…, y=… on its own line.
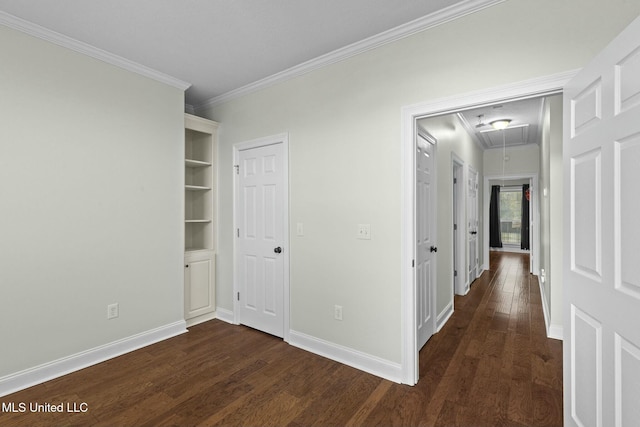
x=510, y=215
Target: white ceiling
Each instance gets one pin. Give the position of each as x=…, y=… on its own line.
x=525, y=126
x=221, y=45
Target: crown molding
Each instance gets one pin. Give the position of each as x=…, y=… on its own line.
x=440, y=17
x=482, y=144
x=188, y=108
x=88, y=50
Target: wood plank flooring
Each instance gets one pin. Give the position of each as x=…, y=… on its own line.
x=491, y=365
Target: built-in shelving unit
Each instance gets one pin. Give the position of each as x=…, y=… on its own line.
x=200, y=218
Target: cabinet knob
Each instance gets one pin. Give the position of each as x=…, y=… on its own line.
x=278, y=250
x=186, y=266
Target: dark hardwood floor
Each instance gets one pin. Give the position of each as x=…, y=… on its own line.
x=491, y=365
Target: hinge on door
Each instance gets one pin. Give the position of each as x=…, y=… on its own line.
x=238, y=296
x=455, y=273
x=455, y=227
x=455, y=180
x=237, y=232
x=413, y=263
x=237, y=169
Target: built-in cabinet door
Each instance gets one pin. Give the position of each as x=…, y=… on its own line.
x=199, y=297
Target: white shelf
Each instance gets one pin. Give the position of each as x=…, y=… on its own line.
x=196, y=249
x=190, y=163
x=196, y=188
x=200, y=161
x=200, y=207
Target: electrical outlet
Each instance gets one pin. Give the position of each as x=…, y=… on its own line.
x=112, y=311
x=364, y=231
x=337, y=312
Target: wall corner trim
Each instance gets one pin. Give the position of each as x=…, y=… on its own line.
x=444, y=316
x=348, y=356
x=225, y=315
x=553, y=331
x=57, y=368
x=88, y=50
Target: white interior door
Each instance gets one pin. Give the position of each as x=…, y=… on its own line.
x=459, y=268
x=472, y=223
x=602, y=238
x=425, y=237
x=260, y=237
x=456, y=206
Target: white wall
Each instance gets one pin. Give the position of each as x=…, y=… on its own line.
x=551, y=213
x=556, y=202
x=345, y=151
x=545, y=215
x=523, y=159
x=91, y=172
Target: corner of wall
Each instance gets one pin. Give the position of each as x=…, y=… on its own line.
x=553, y=330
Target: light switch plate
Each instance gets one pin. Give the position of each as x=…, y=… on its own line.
x=113, y=311
x=364, y=231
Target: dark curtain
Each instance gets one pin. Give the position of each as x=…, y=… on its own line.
x=495, y=239
x=524, y=230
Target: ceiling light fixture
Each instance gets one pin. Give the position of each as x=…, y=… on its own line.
x=491, y=129
x=500, y=124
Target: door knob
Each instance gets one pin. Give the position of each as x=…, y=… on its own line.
x=278, y=250
x=434, y=249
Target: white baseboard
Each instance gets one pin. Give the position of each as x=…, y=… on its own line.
x=365, y=362
x=444, y=316
x=225, y=315
x=515, y=250
x=57, y=368
x=465, y=289
x=553, y=331
x=200, y=319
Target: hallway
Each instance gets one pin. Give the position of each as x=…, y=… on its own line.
x=491, y=365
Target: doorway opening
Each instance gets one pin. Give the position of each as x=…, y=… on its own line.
x=535, y=88
x=518, y=230
x=510, y=217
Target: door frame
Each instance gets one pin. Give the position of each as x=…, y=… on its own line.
x=282, y=138
x=476, y=263
x=534, y=217
x=542, y=86
x=459, y=206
